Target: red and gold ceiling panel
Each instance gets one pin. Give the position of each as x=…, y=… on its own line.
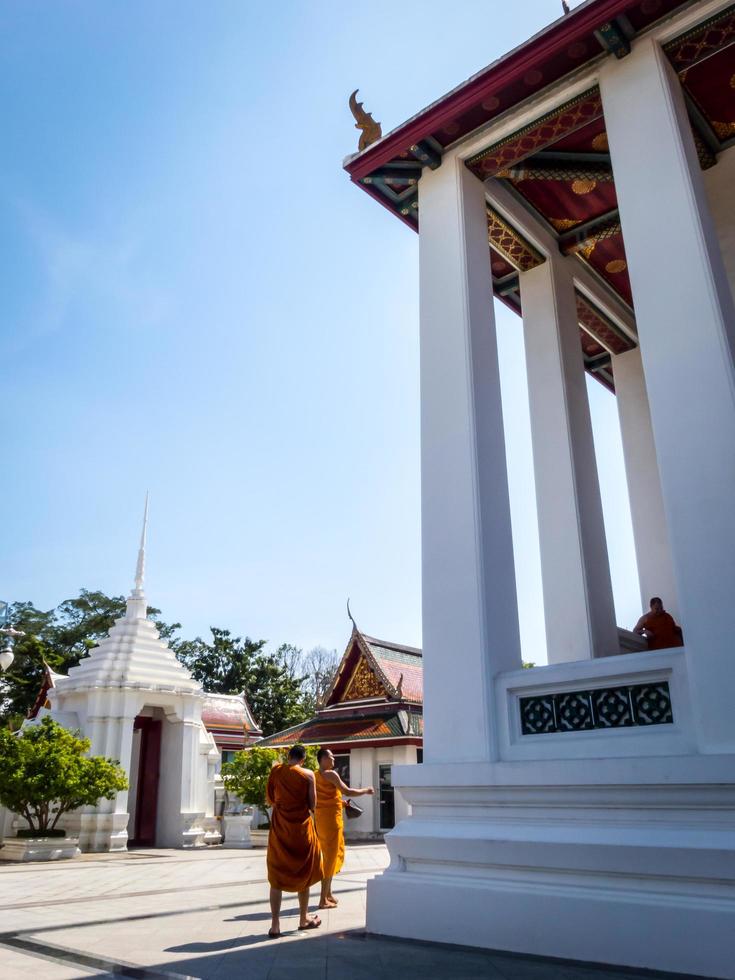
x=599, y=330
x=581, y=197
x=607, y=256
x=538, y=135
x=590, y=347
x=591, y=138
x=711, y=85
x=500, y=266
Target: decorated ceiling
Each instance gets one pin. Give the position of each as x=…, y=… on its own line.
x=559, y=166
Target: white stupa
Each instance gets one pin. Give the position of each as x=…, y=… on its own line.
x=137, y=704
x=133, y=655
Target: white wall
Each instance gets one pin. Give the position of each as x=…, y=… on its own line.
x=719, y=185
x=168, y=831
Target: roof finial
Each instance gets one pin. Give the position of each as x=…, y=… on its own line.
x=140, y=567
x=565, y=7
x=370, y=131
x=352, y=618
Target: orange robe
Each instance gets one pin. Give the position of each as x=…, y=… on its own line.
x=330, y=821
x=294, y=856
x=663, y=629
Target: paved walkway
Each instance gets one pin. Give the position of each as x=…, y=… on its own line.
x=204, y=914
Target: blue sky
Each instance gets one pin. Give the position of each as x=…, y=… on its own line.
x=196, y=301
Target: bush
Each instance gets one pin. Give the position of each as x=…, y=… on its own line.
x=44, y=773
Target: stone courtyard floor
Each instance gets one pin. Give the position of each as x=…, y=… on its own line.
x=204, y=914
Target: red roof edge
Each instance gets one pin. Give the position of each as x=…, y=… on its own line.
x=515, y=64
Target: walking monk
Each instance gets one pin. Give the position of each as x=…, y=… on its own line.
x=330, y=821
x=294, y=856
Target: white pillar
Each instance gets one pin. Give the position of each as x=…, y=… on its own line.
x=685, y=321
x=650, y=533
x=578, y=598
x=470, y=614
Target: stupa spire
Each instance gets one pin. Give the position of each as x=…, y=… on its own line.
x=140, y=567
x=136, y=605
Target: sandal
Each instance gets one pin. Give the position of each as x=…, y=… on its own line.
x=273, y=935
x=312, y=923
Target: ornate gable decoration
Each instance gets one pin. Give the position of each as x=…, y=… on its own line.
x=364, y=683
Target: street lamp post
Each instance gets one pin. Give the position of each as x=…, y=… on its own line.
x=6, y=653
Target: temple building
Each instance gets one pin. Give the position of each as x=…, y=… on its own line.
x=227, y=717
x=136, y=703
x=371, y=719
x=583, y=809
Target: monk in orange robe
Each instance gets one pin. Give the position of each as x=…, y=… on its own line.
x=329, y=817
x=659, y=628
x=294, y=857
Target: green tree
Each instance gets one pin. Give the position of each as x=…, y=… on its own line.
x=61, y=637
x=275, y=693
x=230, y=665
x=246, y=776
x=44, y=773
x=223, y=666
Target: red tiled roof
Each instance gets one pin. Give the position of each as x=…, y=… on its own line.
x=228, y=712
x=327, y=731
x=396, y=660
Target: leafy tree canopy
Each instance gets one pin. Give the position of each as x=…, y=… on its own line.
x=222, y=666
x=247, y=775
x=45, y=773
x=283, y=688
x=61, y=637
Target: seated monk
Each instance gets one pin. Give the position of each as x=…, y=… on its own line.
x=659, y=628
x=294, y=857
x=329, y=817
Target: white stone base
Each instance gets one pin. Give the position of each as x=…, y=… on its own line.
x=237, y=831
x=259, y=838
x=39, y=848
x=192, y=830
x=98, y=832
x=637, y=874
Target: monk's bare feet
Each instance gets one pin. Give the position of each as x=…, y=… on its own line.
x=275, y=930
x=312, y=922
x=332, y=901
x=327, y=903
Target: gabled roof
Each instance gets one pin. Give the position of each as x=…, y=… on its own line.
x=372, y=669
x=376, y=696
x=50, y=677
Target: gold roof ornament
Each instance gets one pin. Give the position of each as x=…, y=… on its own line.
x=371, y=131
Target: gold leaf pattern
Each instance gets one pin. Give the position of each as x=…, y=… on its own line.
x=615, y=266
x=724, y=130
x=583, y=186
x=564, y=224
x=601, y=143
x=364, y=684
x=511, y=245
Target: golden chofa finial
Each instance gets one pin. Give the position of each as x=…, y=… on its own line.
x=371, y=130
